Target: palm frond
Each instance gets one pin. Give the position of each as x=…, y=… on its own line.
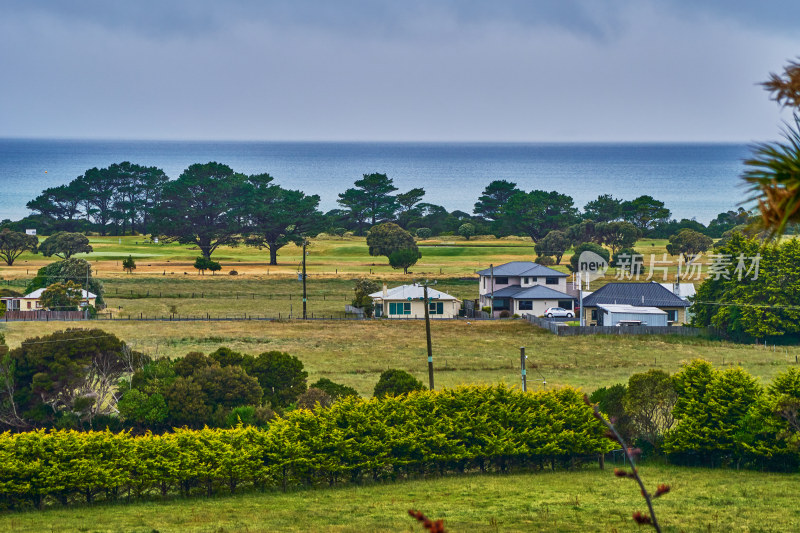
x=773, y=174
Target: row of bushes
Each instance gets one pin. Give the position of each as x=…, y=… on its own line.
x=704, y=416
x=421, y=433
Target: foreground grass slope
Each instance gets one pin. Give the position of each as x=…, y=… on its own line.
x=586, y=500
x=356, y=352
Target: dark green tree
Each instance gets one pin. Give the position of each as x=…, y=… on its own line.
x=537, y=213
x=404, y=258
x=605, y=208
x=371, y=200
x=748, y=298
x=65, y=245
x=202, y=264
x=335, y=390
x=191, y=363
x=128, y=264
x=60, y=203
x=186, y=403
x=280, y=375
x=424, y=233
x=494, y=197
x=584, y=231
x=407, y=203
x=688, y=243
x=363, y=288
x=610, y=402
x=644, y=212
x=388, y=237
x=618, y=234
x=276, y=216
x=587, y=246
x=228, y=386
x=395, y=382
x=15, y=243
x=466, y=230
x=648, y=400
x=554, y=244
x=202, y=207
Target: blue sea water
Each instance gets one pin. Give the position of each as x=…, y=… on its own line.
x=694, y=180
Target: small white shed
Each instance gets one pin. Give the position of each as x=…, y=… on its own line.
x=630, y=315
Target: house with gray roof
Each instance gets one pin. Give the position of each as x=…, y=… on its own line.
x=523, y=288
x=649, y=294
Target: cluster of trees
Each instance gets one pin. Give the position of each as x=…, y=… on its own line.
x=750, y=300
x=118, y=199
x=425, y=433
x=81, y=378
x=710, y=417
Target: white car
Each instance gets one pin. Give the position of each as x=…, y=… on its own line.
x=550, y=312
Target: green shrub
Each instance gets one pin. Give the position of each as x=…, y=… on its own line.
x=395, y=382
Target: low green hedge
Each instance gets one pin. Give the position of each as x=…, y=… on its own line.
x=423, y=433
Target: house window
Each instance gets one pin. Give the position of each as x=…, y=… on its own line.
x=400, y=308
x=436, y=308
x=594, y=314
x=501, y=304
x=525, y=280
x=551, y=280
x=534, y=280
x=484, y=282
x=501, y=280
x=566, y=304
x=526, y=305
x=29, y=305
x=672, y=315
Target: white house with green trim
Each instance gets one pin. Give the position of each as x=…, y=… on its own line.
x=407, y=301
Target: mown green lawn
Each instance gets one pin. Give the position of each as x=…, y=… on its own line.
x=586, y=500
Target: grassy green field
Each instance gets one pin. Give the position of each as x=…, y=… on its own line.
x=356, y=352
x=327, y=257
x=585, y=500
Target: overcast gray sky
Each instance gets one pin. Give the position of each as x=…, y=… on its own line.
x=411, y=70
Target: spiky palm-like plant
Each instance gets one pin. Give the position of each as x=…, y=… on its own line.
x=774, y=177
x=774, y=170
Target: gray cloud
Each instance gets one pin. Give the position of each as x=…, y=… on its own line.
x=380, y=70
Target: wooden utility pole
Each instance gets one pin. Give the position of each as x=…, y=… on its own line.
x=428, y=333
x=305, y=242
x=522, y=369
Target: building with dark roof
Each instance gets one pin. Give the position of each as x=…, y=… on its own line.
x=650, y=294
x=523, y=287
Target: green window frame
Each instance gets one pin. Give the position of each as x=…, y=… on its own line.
x=399, y=308
x=436, y=308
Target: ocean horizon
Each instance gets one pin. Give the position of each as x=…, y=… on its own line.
x=694, y=180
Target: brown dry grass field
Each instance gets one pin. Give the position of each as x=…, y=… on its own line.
x=356, y=352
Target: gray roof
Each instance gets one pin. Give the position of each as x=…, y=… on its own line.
x=537, y=292
x=522, y=268
x=637, y=294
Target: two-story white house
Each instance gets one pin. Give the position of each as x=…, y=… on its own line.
x=524, y=288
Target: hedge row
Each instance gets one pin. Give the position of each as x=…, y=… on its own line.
x=422, y=433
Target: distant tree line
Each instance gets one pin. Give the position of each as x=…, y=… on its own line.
x=210, y=205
